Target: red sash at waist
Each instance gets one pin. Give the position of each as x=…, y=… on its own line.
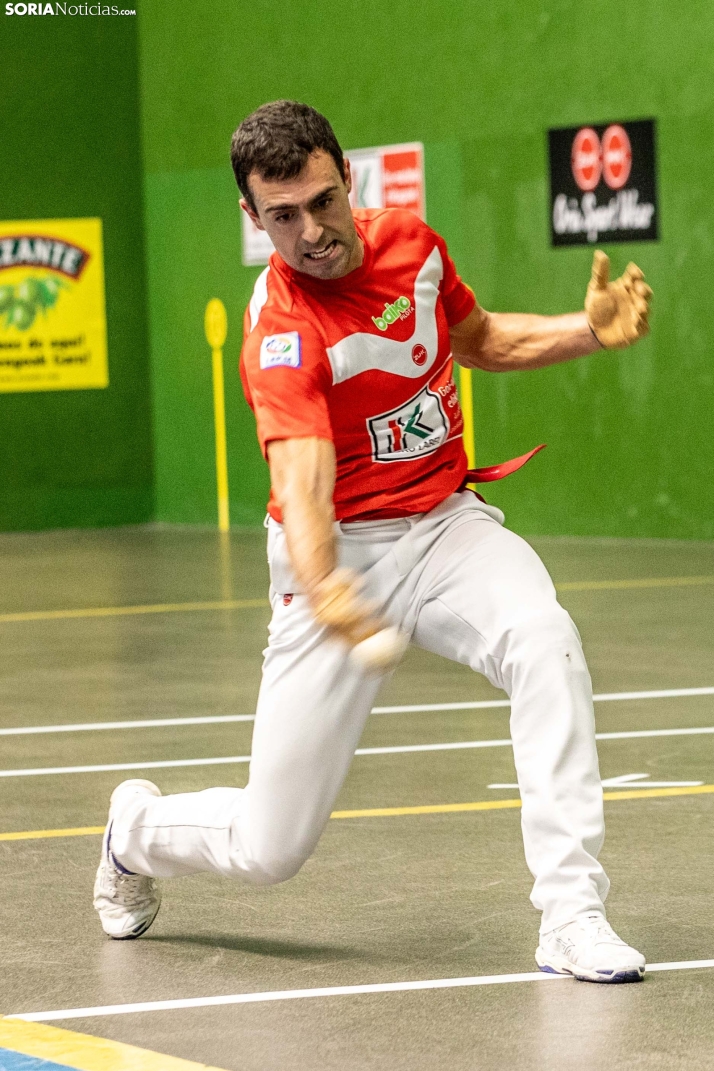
x=505, y=468
x=498, y=472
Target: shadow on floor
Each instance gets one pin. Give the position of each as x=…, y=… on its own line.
x=260, y=946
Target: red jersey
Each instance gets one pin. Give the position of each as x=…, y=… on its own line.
x=365, y=361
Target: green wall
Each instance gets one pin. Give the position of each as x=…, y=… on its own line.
x=630, y=446
x=71, y=147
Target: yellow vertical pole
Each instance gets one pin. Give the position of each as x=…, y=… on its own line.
x=466, y=398
x=216, y=327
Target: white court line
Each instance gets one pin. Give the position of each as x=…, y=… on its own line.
x=491, y=704
x=144, y=723
x=601, y=697
x=326, y=991
x=634, y=734
x=420, y=708
x=43, y=771
x=626, y=782
x=399, y=749
x=229, y=759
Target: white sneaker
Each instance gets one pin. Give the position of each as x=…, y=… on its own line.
x=127, y=903
x=591, y=951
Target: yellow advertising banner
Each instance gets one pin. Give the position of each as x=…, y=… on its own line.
x=53, y=328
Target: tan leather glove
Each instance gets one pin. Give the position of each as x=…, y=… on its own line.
x=338, y=605
x=618, y=312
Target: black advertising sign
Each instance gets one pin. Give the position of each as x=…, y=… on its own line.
x=603, y=185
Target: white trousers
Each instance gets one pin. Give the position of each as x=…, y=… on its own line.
x=463, y=587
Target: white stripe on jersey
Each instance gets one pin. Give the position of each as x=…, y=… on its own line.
x=364, y=352
x=259, y=298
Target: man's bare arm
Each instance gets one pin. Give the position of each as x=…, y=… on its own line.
x=616, y=315
x=302, y=472
x=512, y=341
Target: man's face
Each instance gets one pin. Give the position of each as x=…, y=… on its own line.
x=309, y=218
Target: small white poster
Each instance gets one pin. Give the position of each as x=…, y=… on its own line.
x=257, y=247
x=389, y=176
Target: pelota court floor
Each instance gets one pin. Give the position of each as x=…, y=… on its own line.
x=165, y=625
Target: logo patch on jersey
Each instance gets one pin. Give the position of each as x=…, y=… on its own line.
x=277, y=350
x=413, y=430
x=398, y=310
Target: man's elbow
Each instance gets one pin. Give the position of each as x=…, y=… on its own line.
x=480, y=358
x=298, y=491
x=472, y=349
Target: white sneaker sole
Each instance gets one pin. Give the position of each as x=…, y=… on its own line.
x=138, y=930
x=553, y=964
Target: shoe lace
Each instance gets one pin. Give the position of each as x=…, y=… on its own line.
x=599, y=929
x=130, y=889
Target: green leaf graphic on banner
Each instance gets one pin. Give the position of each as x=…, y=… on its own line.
x=21, y=303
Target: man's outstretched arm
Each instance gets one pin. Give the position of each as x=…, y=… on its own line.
x=616, y=315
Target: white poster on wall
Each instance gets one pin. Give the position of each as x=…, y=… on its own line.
x=389, y=176
x=257, y=247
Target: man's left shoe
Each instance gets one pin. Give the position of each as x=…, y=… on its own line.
x=126, y=903
x=590, y=950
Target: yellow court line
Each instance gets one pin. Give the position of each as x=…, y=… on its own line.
x=437, y=808
x=45, y=834
x=393, y=812
x=249, y=604
x=85, y=1053
x=645, y=793
x=499, y=805
x=628, y=585
x=126, y=611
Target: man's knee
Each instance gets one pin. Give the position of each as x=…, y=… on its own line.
x=272, y=872
x=543, y=657
x=268, y=865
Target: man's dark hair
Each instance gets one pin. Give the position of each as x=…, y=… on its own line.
x=276, y=141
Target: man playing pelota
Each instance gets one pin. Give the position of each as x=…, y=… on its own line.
x=350, y=339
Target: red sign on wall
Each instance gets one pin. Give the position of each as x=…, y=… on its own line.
x=403, y=180
x=616, y=156
x=611, y=157
x=586, y=158
x=391, y=176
